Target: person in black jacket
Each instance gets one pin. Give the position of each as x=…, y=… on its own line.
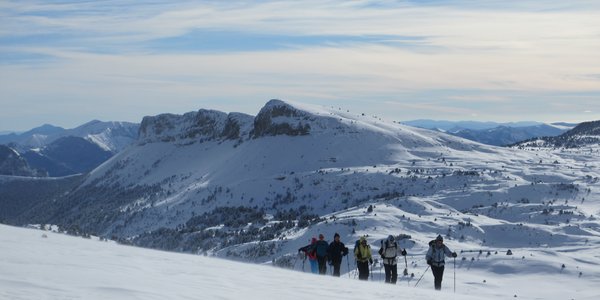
x=336, y=251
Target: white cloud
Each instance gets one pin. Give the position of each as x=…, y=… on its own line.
x=533, y=48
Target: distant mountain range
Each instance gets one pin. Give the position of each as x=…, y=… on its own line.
x=13, y=164
x=584, y=134
x=56, y=151
x=491, y=133
x=111, y=136
x=67, y=156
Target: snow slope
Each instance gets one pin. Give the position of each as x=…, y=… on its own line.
x=39, y=264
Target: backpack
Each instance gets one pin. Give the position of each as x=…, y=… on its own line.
x=385, y=246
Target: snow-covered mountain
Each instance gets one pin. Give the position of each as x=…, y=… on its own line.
x=491, y=133
x=61, y=152
x=12, y=163
x=218, y=183
x=453, y=126
x=67, y=156
x=504, y=135
x=111, y=136
x=586, y=134
x=258, y=188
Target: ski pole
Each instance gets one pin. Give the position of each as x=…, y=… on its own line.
x=295, y=261
x=455, y=274
x=303, y=261
x=406, y=270
x=422, y=276
x=348, y=263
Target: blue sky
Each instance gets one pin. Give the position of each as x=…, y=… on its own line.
x=68, y=62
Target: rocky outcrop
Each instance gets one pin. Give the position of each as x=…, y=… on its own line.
x=280, y=118
x=203, y=125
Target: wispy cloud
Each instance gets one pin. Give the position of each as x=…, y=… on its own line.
x=186, y=52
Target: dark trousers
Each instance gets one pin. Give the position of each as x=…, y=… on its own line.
x=391, y=273
x=438, y=273
x=363, y=270
x=336, y=268
x=322, y=264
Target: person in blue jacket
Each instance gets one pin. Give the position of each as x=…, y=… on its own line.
x=435, y=258
x=311, y=254
x=321, y=248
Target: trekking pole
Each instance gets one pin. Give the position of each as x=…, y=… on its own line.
x=303, y=261
x=348, y=263
x=406, y=270
x=455, y=274
x=422, y=276
x=295, y=261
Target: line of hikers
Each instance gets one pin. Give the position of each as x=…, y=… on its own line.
x=319, y=253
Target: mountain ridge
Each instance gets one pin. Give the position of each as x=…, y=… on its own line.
x=584, y=134
x=185, y=186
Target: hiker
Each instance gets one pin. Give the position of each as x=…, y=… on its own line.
x=336, y=251
x=435, y=259
x=388, y=251
x=321, y=248
x=309, y=251
x=362, y=253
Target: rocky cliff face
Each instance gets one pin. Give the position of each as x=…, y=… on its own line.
x=203, y=125
x=279, y=118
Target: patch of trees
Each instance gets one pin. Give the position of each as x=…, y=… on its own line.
x=228, y=216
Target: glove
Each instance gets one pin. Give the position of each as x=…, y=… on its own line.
x=454, y=254
x=403, y=252
x=358, y=256
x=370, y=261
x=429, y=262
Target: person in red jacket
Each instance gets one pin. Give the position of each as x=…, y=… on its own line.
x=310, y=252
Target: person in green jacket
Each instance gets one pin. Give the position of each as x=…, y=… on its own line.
x=362, y=253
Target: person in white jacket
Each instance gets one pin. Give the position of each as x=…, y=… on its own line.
x=435, y=258
x=389, y=251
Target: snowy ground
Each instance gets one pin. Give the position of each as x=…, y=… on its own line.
x=64, y=267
